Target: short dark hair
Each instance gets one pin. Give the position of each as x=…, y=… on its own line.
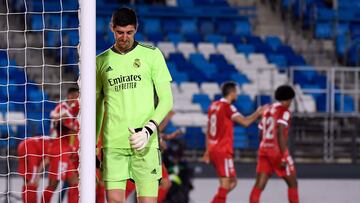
x=72, y=90
x=284, y=92
x=123, y=17
x=227, y=88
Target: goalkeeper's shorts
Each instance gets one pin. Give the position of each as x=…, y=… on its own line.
x=143, y=167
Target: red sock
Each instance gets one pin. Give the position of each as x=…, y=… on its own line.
x=293, y=195
x=130, y=187
x=100, y=193
x=255, y=195
x=162, y=194
x=29, y=194
x=48, y=193
x=220, y=197
x=73, y=194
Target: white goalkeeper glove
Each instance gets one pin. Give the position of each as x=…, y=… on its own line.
x=140, y=136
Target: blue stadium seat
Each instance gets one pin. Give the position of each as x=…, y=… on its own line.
x=274, y=42
x=70, y=5
x=188, y=27
x=262, y=100
x=193, y=37
x=52, y=6
x=344, y=103
x=214, y=38
x=239, y=78
x=175, y=38
x=245, y=105
x=180, y=77
x=36, y=22
x=245, y=48
x=203, y=100
x=342, y=29
x=72, y=37
x=235, y=39
x=242, y=28
x=17, y=75
x=152, y=26
x=17, y=93
x=323, y=30
x=341, y=45
x=195, y=138
x=170, y=26
x=139, y=37
x=206, y=27
x=53, y=20
x=52, y=38
x=224, y=27
x=277, y=59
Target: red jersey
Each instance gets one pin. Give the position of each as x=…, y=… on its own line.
x=275, y=115
x=68, y=114
x=220, y=126
x=37, y=145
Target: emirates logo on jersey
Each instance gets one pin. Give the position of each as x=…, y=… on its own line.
x=137, y=63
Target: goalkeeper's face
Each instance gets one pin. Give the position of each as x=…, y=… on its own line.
x=124, y=36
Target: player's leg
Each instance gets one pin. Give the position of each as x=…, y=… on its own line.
x=100, y=188
x=225, y=170
x=49, y=191
x=165, y=185
x=73, y=192
x=288, y=173
x=293, y=194
x=263, y=171
x=146, y=171
x=260, y=184
x=115, y=195
x=27, y=168
x=115, y=173
x=29, y=192
x=226, y=185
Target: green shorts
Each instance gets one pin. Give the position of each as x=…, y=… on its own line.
x=144, y=167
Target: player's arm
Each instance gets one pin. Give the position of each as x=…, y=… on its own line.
x=280, y=137
x=248, y=120
x=99, y=102
x=161, y=79
x=166, y=121
x=206, y=157
x=282, y=123
x=162, y=82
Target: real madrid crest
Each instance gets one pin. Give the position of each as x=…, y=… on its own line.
x=137, y=63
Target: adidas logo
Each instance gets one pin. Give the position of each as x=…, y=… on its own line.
x=154, y=172
x=109, y=69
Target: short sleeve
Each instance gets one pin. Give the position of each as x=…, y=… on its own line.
x=284, y=117
x=160, y=72
x=231, y=111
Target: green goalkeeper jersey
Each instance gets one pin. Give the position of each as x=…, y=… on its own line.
x=126, y=84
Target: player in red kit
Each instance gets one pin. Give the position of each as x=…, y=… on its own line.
x=220, y=137
x=63, y=155
x=33, y=159
x=273, y=154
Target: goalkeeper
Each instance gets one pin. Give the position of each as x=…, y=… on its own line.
x=129, y=76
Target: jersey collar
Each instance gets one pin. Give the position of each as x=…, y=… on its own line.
x=127, y=51
x=224, y=100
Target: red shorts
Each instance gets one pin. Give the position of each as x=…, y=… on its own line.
x=223, y=163
x=63, y=163
x=272, y=163
x=28, y=163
